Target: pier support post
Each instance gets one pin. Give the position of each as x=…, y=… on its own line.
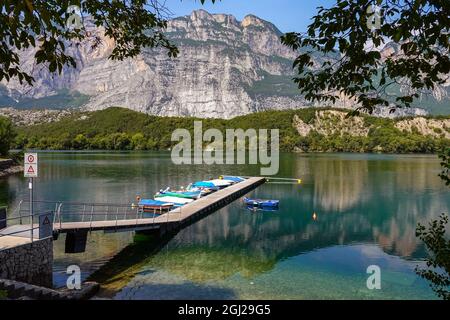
x=76, y=241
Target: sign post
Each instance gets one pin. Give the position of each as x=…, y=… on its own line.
x=31, y=171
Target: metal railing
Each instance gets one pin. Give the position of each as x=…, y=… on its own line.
x=90, y=212
x=32, y=219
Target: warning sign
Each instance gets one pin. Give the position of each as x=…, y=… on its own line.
x=30, y=165
x=45, y=225
x=31, y=170
x=46, y=220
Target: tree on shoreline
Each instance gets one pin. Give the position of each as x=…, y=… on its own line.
x=445, y=164
x=7, y=135
x=438, y=263
x=437, y=243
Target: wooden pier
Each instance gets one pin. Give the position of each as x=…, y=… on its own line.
x=178, y=217
x=17, y=241
x=86, y=220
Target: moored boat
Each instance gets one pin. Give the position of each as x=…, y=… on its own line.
x=232, y=178
x=203, y=185
x=220, y=183
x=261, y=203
x=150, y=205
x=180, y=194
x=213, y=184
x=175, y=200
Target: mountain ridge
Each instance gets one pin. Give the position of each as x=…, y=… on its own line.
x=225, y=68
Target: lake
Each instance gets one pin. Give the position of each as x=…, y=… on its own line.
x=367, y=207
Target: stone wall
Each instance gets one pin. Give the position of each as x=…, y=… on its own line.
x=31, y=263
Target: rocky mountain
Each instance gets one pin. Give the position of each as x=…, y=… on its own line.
x=225, y=68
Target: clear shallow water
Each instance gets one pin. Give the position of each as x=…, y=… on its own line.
x=367, y=208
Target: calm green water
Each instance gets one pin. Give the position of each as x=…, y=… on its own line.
x=367, y=208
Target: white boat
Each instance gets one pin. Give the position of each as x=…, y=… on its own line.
x=220, y=182
x=175, y=200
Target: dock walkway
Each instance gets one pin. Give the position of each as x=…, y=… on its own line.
x=176, y=219
x=178, y=216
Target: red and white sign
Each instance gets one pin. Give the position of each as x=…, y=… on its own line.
x=31, y=165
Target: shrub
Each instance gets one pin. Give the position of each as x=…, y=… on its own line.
x=7, y=135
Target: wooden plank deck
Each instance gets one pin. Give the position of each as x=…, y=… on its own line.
x=179, y=216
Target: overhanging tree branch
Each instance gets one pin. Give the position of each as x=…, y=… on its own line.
x=418, y=29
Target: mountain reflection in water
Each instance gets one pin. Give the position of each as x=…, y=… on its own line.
x=367, y=208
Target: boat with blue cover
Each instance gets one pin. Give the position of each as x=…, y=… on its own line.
x=214, y=184
x=150, y=205
x=204, y=184
x=261, y=203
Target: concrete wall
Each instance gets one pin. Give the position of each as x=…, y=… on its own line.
x=31, y=263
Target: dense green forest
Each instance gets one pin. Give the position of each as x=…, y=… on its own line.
x=124, y=129
x=6, y=135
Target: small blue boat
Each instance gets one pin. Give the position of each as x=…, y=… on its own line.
x=150, y=205
x=261, y=203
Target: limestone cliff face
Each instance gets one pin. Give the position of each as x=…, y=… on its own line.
x=225, y=68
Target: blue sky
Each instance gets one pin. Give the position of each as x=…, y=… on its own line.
x=287, y=15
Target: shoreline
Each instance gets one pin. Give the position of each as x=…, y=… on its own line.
x=305, y=153
x=8, y=167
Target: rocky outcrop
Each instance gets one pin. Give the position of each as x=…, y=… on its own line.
x=398, y=112
x=9, y=166
x=329, y=122
x=332, y=122
x=31, y=117
x=434, y=127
